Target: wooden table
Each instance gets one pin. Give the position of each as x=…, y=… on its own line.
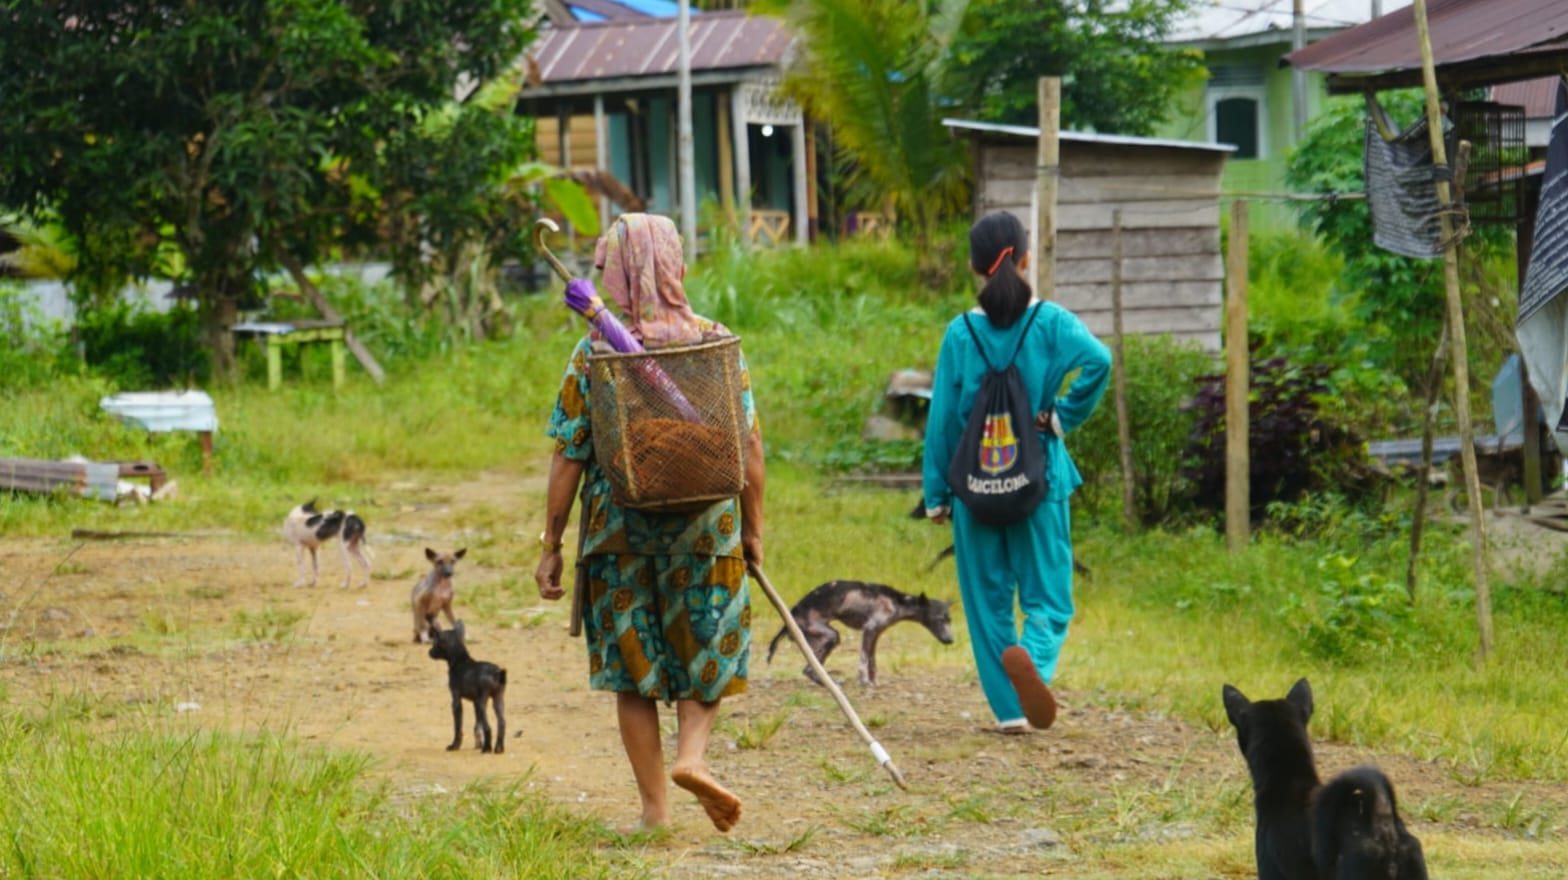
x=276, y=335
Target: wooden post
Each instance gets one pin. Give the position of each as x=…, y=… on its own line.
x=1119, y=375
x=274, y=362
x=1238, y=458
x=563, y=139
x=739, y=120
x=336, y=344
x=1434, y=382
x=726, y=159
x=1456, y=330
x=1524, y=238
x=1049, y=170
x=800, y=220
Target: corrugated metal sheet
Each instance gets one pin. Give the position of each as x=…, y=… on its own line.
x=1473, y=42
x=1538, y=97
x=1208, y=21
x=648, y=47
x=88, y=479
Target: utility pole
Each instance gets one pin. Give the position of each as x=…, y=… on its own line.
x=685, y=158
x=1298, y=76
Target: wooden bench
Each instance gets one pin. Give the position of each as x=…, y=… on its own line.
x=278, y=335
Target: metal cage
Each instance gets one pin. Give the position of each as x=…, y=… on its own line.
x=1495, y=179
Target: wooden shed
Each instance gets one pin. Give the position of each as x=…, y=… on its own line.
x=1173, y=275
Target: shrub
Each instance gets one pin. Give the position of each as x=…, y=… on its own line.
x=136, y=348
x=1295, y=446
x=1160, y=373
x=26, y=351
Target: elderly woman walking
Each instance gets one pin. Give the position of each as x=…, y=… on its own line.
x=667, y=615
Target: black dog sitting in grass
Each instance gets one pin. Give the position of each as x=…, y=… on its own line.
x=473, y=680
x=1348, y=829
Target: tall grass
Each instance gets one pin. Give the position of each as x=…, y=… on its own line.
x=166, y=802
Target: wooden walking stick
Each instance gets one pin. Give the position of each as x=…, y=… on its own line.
x=877, y=751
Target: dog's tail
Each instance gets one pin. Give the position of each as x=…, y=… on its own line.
x=1355, y=816
x=773, y=645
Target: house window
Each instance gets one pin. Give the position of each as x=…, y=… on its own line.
x=1236, y=99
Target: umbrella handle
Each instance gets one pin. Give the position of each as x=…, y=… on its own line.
x=541, y=226
x=881, y=755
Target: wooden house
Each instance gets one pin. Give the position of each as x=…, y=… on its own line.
x=1168, y=193
x=604, y=94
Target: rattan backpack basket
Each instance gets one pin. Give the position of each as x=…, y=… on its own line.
x=669, y=426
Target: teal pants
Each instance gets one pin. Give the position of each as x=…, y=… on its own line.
x=1003, y=570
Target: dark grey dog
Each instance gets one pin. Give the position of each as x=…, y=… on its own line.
x=870, y=608
x=475, y=681
x=1348, y=829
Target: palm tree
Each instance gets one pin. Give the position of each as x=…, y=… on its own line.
x=29, y=251
x=871, y=72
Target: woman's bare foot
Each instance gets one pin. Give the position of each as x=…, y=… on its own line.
x=723, y=808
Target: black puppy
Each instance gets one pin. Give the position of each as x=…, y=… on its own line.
x=870, y=608
x=1348, y=829
x=473, y=680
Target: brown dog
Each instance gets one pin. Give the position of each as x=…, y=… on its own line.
x=434, y=592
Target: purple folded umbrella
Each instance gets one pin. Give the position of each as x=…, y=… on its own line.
x=583, y=298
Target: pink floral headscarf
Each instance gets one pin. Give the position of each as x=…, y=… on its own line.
x=642, y=265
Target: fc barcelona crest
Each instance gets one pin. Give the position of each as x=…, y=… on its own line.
x=999, y=446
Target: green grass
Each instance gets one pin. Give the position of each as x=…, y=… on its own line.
x=161, y=801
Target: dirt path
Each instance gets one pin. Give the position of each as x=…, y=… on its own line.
x=211, y=626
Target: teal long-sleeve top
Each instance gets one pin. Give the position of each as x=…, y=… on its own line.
x=1058, y=344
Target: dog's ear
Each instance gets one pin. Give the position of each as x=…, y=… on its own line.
x=1236, y=705
x=430, y=554
x=459, y=554
x=1300, y=696
x=309, y=506
x=923, y=600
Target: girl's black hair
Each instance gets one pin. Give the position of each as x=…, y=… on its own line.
x=1005, y=296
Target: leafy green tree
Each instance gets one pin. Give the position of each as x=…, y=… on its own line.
x=872, y=71
x=1117, y=74
x=207, y=141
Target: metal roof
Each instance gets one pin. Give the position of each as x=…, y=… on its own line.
x=1474, y=42
x=1031, y=131
x=1225, y=21
x=636, y=47
x=1538, y=97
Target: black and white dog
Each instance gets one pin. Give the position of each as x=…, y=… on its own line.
x=307, y=529
x=870, y=608
x=1348, y=829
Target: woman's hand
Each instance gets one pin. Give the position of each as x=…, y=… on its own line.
x=548, y=575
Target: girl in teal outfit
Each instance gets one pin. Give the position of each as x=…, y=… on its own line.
x=1029, y=563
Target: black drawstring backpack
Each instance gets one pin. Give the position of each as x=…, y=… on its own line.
x=998, y=469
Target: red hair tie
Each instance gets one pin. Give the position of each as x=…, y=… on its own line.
x=999, y=258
